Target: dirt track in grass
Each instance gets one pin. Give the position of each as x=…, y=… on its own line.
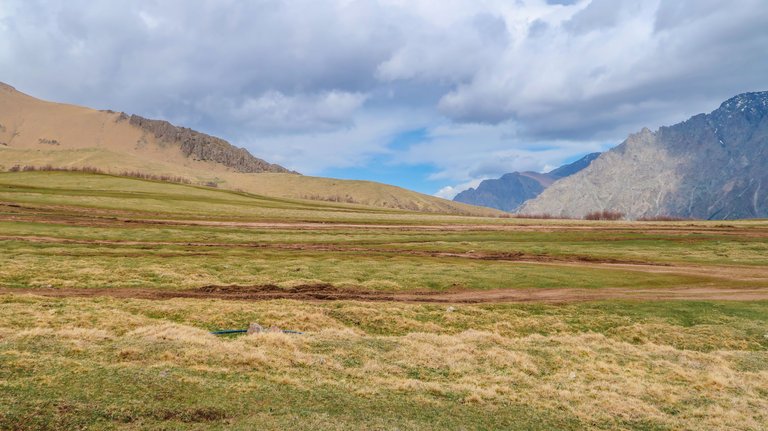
x=327, y=292
x=730, y=272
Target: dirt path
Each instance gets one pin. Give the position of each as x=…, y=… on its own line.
x=327, y=292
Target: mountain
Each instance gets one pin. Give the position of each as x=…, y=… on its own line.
x=511, y=190
x=37, y=133
x=712, y=166
x=27, y=123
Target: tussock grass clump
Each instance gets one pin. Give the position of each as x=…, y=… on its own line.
x=589, y=365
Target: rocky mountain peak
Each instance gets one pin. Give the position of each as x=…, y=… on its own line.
x=711, y=166
x=748, y=103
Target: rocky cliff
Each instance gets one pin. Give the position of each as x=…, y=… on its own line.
x=200, y=146
x=712, y=166
x=511, y=190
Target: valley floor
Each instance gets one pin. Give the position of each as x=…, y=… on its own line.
x=109, y=287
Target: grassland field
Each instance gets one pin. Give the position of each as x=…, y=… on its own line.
x=109, y=287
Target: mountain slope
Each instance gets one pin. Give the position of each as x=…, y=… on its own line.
x=38, y=133
x=27, y=123
x=512, y=190
x=712, y=166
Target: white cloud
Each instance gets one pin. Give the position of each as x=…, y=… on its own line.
x=367, y=136
x=275, y=112
x=449, y=192
x=601, y=69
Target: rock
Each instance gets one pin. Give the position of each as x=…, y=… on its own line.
x=255, y=328
x=199, y=146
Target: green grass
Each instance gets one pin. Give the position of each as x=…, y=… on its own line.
x=129, y=364
x=26, y=265
x=81, y=207
x=154, y=199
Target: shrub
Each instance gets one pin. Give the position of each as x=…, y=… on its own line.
x=604, y=215
x=544, y=216
x=662, y=218
x=94, y=170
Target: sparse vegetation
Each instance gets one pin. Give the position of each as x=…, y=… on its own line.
x=662, y=218
x=604, y=215
x=336, y=198
x=544, y=216
x=94, y=170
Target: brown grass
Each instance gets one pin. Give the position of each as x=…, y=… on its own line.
x=543, y=216
x=639, y=371
x=604, y=215
x=95, y=170
x=663, y=218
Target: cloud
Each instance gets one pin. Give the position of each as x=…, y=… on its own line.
x=432, y=53
x=615, y=64
x=496, y=85
x=367, y=136
x=449, y=192
x=275, y=112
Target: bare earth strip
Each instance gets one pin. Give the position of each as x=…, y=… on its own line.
x=327, y=292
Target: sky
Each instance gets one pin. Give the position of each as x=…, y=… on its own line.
x=434, y=96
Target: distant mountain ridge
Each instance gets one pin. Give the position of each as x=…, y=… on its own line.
x=512, y=190
x=711, y=166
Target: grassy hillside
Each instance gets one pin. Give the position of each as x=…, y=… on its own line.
x=109, y=287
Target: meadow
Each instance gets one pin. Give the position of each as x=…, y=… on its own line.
x=109, y=287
